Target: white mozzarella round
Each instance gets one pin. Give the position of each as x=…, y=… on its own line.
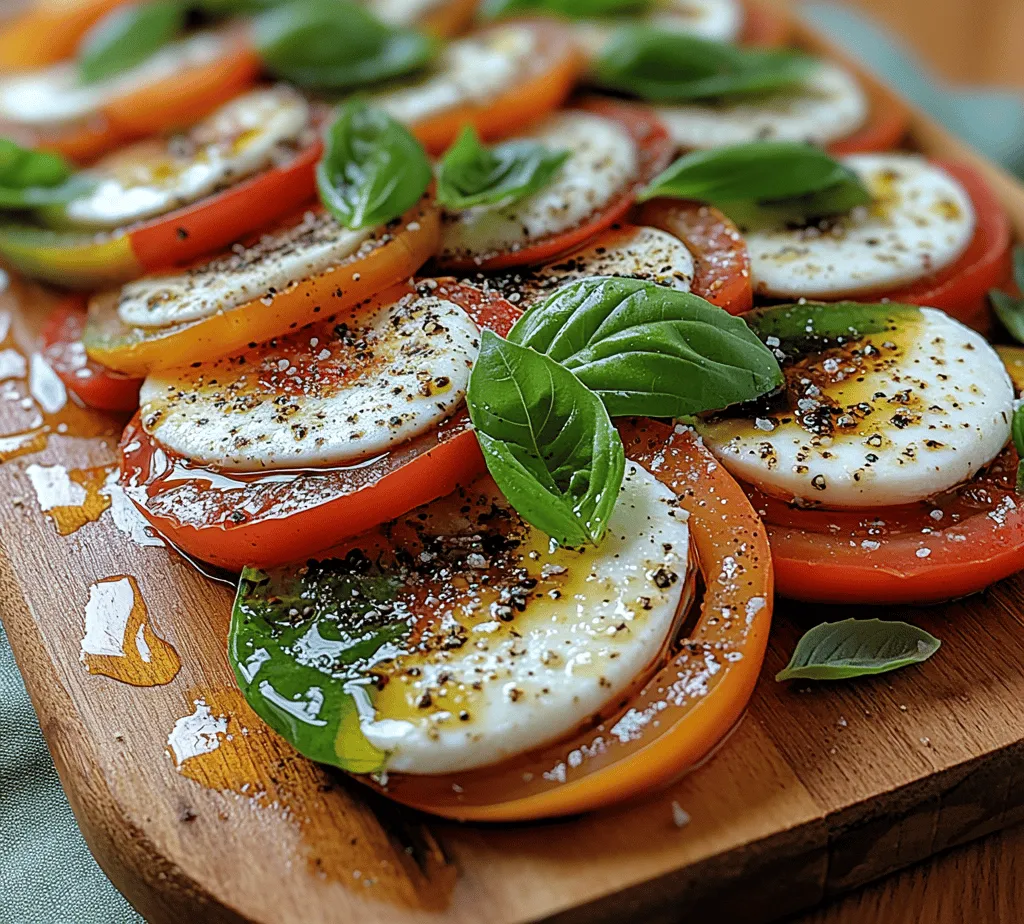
x=254, y=131
x=601, y=167
x=583, y=627
x=55, y=96
x=827, y=106
x=404, y=12
x=921, y=220
x=278, y=260
x=334, y=393
x=891, y=418
x=636, y=252
x=715, y=20
x=469, y=71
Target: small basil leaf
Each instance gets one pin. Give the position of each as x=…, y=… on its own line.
x=127, y=37
x=649, y=350
x=31, y=179
x=662, y=65
x=336, y=44
x=470, y=174
x=570, y=9
x=547, y=439
x=1017, y=431
x=298, y=636
x=856, y=648
x=1010, y=308
x=372, y=168
x=763, y=180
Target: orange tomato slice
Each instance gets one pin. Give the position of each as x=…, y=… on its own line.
x=47, y=31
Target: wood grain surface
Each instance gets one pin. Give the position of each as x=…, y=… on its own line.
x=197, y=812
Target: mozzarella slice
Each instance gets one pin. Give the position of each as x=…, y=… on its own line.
x=602, y=166
x=54, y=96
x=827, y=106
x=469, y=71
x=921, y=221
x=257, y=130
x=278, y=260
x=715, y=20
x=636, y=252
x=334, y=393
x=523, y=644
x=404, y=12
x=889, y=418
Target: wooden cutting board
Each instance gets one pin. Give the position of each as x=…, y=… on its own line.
x=198, y=813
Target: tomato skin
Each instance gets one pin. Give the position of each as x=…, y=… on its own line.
x=961, y=289
x=720, y=257
x=947, y=547
x=655, y=153
x=232, y=519
x=96, y=386
x=732, y=551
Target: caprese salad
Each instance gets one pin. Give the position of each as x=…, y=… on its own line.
x=510, y=409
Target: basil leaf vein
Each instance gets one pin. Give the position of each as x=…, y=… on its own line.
x=372, y=168
x=649, y=350
x=547, y=439
x=336, y=44
x=128, y=36
x=665, y=66
x=857, y=648
x=471, y=174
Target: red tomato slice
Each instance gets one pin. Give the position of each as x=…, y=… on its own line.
x=961, y=289
x=95, y=385
x=886, y=125
x=233, y=520
x=686, y=708
x=945, y=547
x=45, y=31
x=720, y=258
x=763, y=27
x=655, y=152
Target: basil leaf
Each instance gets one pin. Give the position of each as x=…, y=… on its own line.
x=547, y=439
x=470, y=174
x=1017, y=432
x=856, y=648
x=649, y=350
x=128, y=36
x=298, y=636
x=372, y=168
x=665, y=66
x=31, y=179
x=1010, y=308
x=763, y=180
x=570, y=9
x=336, y=44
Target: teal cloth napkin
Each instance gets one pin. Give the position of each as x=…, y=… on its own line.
x=47, y=875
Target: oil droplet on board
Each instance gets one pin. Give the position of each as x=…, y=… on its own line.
x=119, y=641
x=196, y=734
x=70, y=498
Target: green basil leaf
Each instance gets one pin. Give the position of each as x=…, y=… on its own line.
x=1017, y=432
x=470, y=174
x=336, y=44
x=234, y=7
x=128, y=36
x=570, y=9
x=547, y=439
x=771, y=181
x=665, y=66
x=856, y=648
x=1010, y=308
x=372, y=168
x=649, y=350
x=32, y=179
x=298, y=636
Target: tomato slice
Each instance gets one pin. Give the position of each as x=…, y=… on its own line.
x=399, y=251
x=946, y=547
x=689, y=705
x=95, y=385
x=76, y=259
x=232, y=519
x=47, y=31
x=721, y=262
x=556, y=67
x=961, y=289
x=763, y=27
x=149, y=110
x=655, y=152
x=887, y=124
x=449, y=18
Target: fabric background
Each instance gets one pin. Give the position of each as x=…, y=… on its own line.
x=47, y=875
